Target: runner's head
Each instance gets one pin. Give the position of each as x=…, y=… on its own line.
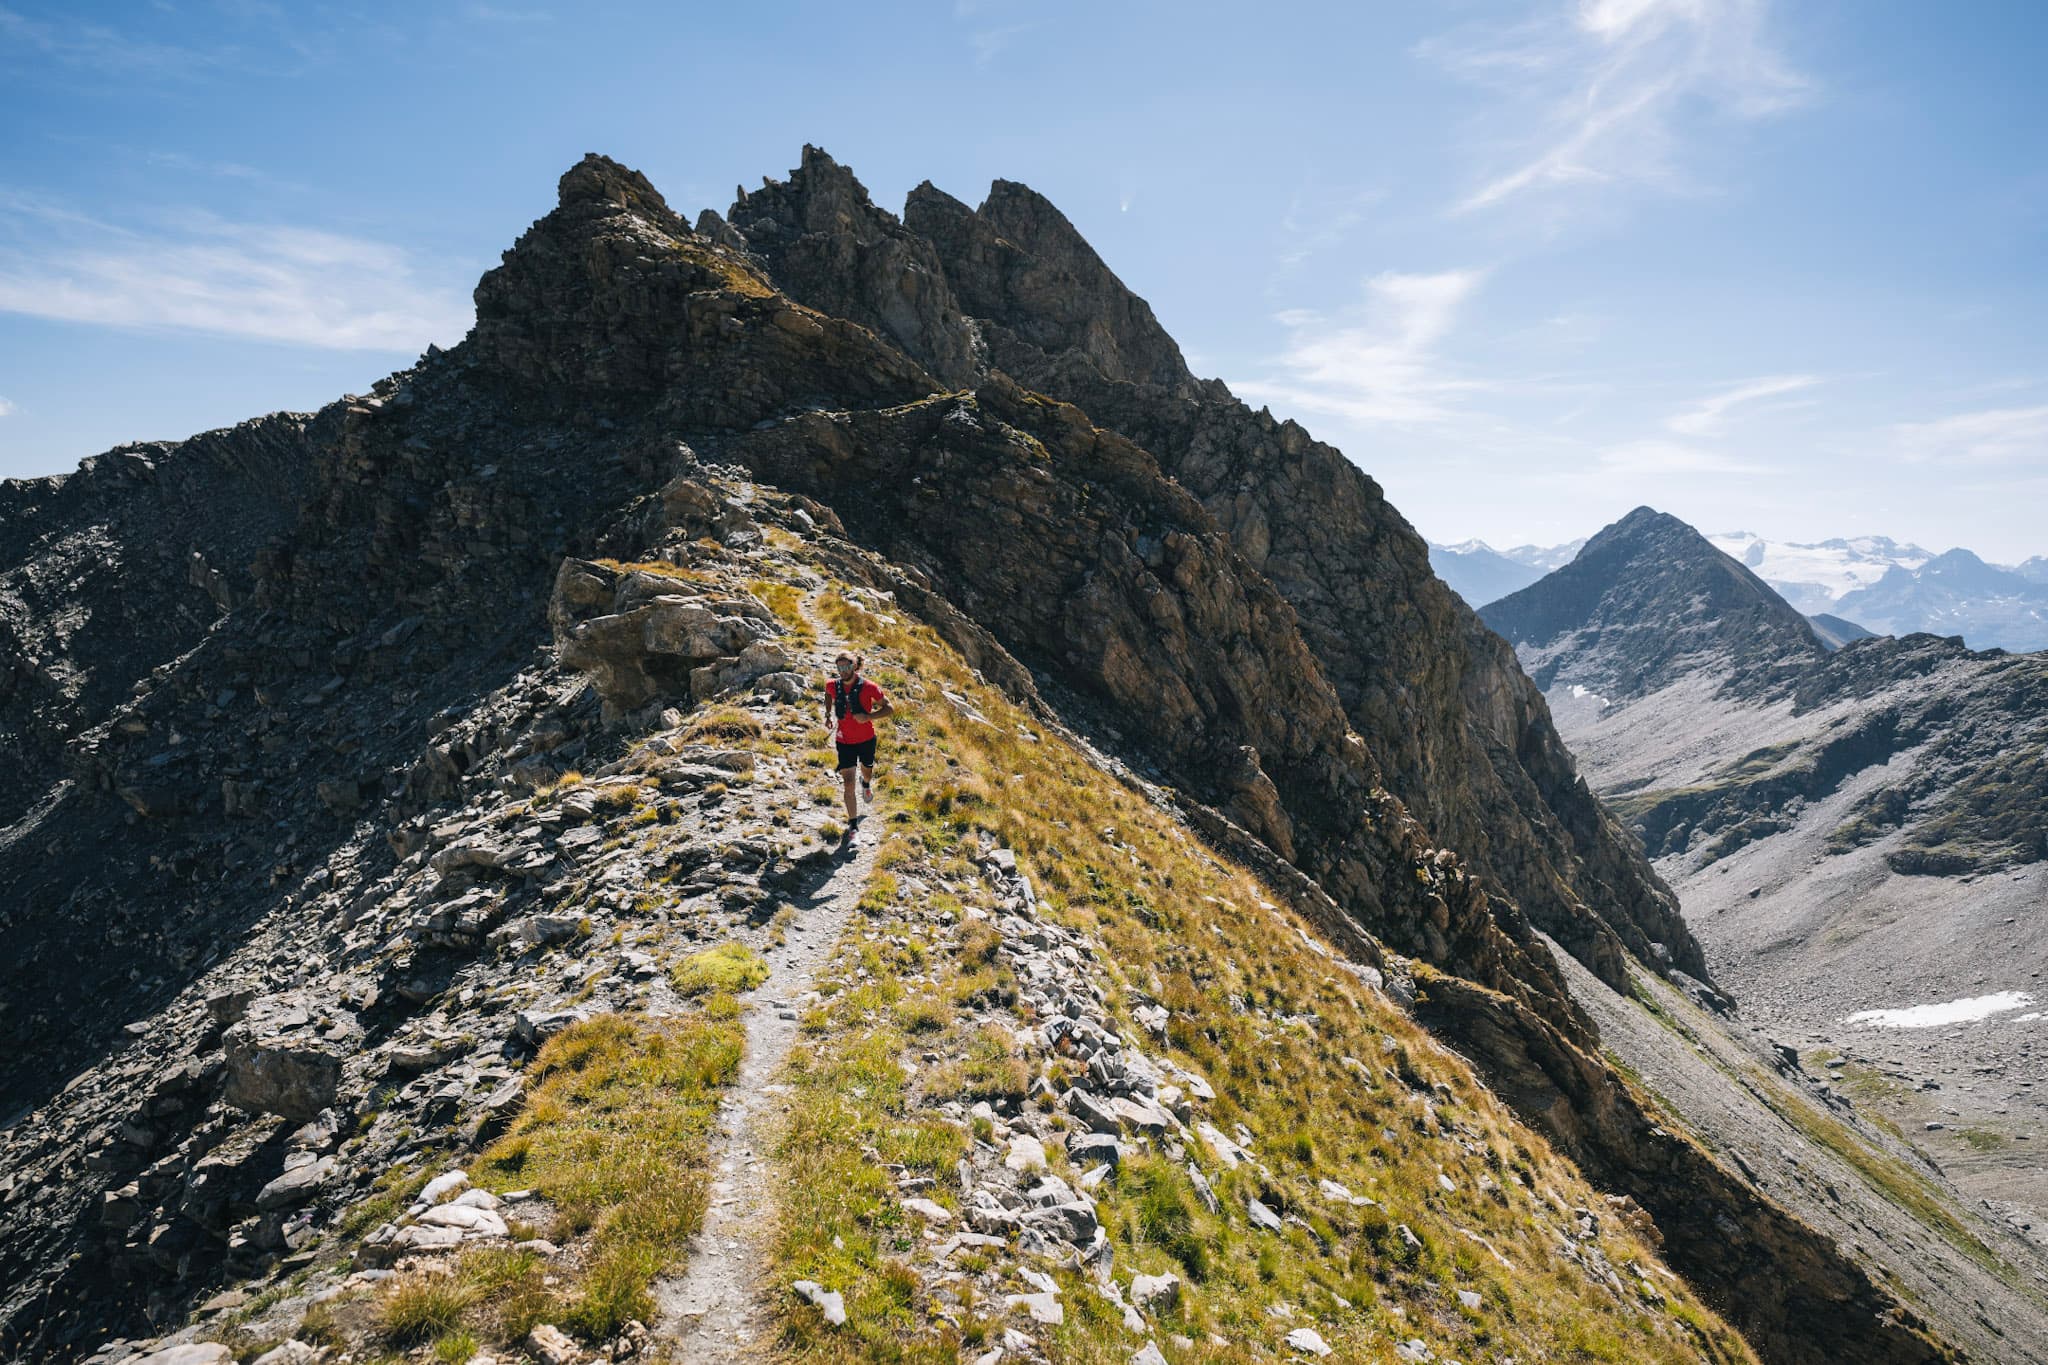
x=847, y=664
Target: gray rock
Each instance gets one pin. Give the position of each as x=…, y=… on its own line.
x=1308, y=1341
x=1098, y=1114
x=290, y=1353
x=1150, y=1290
x=552, y=1347
x=280, y=1062
x=296, y=1185
x=471, y=1221
x=1086, y=1149
x=536, y=1026
x=1072, y=1222
x=425, y=1237
x=190, y=1353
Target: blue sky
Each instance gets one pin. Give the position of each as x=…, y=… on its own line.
x=1770, y=266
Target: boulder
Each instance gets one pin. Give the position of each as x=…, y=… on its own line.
x=297, y=1185
x=551, y=1346
x=286, y=1055
x=290, y=1353
x=1150, y=1290
x=536, y=1026
x=1308, y=1341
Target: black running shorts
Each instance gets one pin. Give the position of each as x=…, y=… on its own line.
x=862, y=753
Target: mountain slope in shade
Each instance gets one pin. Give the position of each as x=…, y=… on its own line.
x=1956, y=594
x=1647, y=601
x=1478, y=573
x=1834, y=631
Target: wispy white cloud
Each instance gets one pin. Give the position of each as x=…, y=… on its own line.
x=1992, y=436
x=1317, y=220
x=180, y=161
x=99, y=48
x=1710, y=414
x=6, y=408
x=988, y=42
x=1383, y=367
x=1601, y=92
x=496, y=14
x=202, y=273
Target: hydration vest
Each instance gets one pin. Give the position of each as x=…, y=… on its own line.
x=846, y=695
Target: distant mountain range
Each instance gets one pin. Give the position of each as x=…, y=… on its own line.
x=1862, y=584
x=1815, y=577
x=1479, y=573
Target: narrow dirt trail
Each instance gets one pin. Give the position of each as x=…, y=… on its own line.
x=716, y=1310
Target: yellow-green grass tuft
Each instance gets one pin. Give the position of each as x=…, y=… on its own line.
x=729, y=967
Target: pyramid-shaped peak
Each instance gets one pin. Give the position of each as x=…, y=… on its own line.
x=1648, y=600
x=598, y=179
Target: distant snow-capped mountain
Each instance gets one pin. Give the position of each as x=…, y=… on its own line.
x=1480, y=574
x=1546, y=557
x=1898, y=588
x=1956, y=594
x=1815, y=577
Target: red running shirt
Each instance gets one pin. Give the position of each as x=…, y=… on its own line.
x=853, y=731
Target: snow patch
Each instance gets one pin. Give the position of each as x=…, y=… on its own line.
x=1970, y=1011
x=1583, y=693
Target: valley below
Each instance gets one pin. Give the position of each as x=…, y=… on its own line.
x=1854, y=835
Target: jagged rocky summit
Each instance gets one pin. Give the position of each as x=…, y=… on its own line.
x=428, y=594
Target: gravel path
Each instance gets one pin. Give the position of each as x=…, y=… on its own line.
x=716, y=1310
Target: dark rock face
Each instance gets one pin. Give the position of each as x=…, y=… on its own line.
x=826, y=243
x=611, y=298
x=282, y=1059
x=1073, y=548
x=122, y=566
x=1040, y=293
x=1235, y=599
x=1647, y=602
